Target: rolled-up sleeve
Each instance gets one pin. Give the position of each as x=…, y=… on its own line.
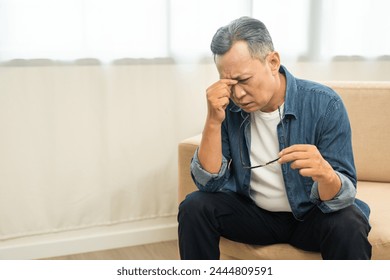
x=206, y=181
x=344, y=198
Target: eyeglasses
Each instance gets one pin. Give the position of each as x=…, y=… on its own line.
x=240, y=144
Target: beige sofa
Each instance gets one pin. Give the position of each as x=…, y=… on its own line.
x=368, y=106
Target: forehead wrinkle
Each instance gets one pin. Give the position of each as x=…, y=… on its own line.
x=236, y=63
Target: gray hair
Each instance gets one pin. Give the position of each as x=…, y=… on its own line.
x=247, y=29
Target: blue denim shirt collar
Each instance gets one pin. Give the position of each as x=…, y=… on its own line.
x=290, y=106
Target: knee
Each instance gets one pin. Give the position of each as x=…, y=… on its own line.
x=347, y=222
x=195, y=204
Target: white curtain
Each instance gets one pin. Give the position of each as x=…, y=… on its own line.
x=72, y=29
x=287, y=22
x=193, y=24
x=85, y=146
x=89, y=145
x=114, y=29
x=355, y=28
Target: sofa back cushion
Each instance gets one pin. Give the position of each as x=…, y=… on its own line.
x=368, y=106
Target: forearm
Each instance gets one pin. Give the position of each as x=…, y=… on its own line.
x=329, y=186
x=344, y=197
x=210, y=148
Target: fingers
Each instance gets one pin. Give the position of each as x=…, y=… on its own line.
x=228, y=81
x=218, y=98
x=297, y=148
x=293, y=153
x=308, y=161
x=305, y=158
x=221, y=89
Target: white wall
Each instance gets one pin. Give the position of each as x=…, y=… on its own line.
x=88, y=153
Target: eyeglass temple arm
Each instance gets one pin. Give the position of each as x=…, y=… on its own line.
x=261, y=165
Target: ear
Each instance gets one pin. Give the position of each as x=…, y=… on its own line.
x=273, y=59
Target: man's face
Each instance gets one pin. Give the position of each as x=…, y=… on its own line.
x=257, y=81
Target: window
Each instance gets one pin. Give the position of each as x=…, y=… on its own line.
x=69, y=29
x=355, y=27
x=193, y=23
x=113, y=29
x=287, y=22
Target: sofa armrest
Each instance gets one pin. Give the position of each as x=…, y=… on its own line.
x=187, y=149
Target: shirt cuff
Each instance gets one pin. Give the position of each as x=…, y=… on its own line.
x=344, y=198
x=202, y=176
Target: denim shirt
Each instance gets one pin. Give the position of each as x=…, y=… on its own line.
x=313, y=114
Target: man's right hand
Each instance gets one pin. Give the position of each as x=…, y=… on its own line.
x=210, y=148
x=218, y=95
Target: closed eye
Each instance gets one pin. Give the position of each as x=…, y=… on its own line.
x=243, y=81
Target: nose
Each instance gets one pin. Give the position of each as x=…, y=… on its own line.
x=238, y=91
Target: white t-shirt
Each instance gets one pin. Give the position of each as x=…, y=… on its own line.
x=267, y=184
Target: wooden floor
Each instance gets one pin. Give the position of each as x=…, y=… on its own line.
x=167, y=250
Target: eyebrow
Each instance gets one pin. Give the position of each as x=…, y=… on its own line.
x=239, y=78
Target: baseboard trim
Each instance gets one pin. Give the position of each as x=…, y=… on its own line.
x=90, y=240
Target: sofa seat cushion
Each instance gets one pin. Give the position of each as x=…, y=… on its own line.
x=235, y=250
x=373, y=193
x=377, y=195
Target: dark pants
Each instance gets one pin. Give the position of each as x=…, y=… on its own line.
x=204, y=217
